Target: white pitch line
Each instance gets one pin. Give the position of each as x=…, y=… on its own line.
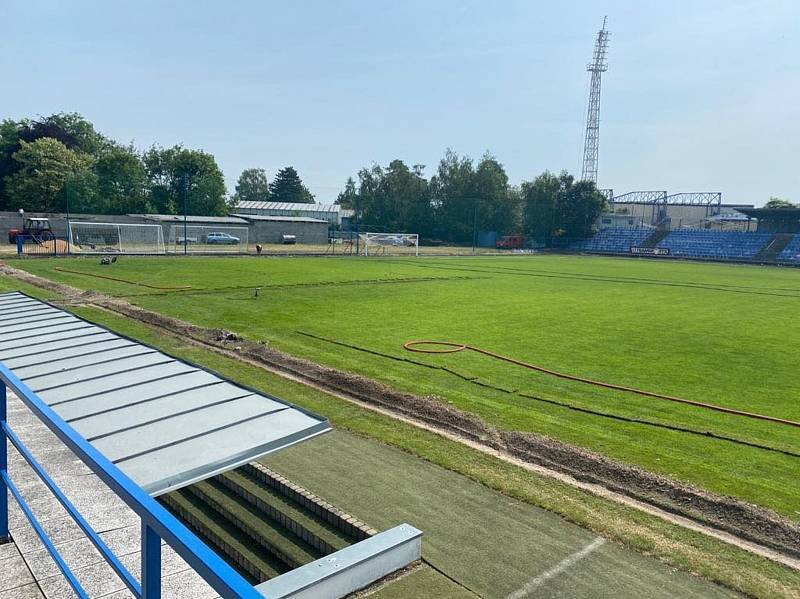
x=556, y=570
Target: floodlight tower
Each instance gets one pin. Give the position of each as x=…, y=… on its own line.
x=591, y=144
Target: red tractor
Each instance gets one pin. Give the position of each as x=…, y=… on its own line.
x=37, y=228
x=511, y=242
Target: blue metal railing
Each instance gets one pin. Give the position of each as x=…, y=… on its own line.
x=157, y=522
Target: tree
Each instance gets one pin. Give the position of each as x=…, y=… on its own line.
x=288, y=187
x=541, y=199
x=173, y=172
x=560, y=206
x=347, y=197
x=121, y=182
x=43, y=167
x=453, y=196
x=252, y=186
x=580, y=208
x=497, y=203
x=778, y=203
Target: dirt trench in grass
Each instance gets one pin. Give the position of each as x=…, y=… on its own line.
x=749, y=522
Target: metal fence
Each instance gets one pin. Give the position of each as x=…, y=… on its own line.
x=48, y=245
x=157, y=523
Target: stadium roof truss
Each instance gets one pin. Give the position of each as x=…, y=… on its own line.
x=696, y=198
x=164, y=422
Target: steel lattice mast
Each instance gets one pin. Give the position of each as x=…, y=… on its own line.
x=591, y=144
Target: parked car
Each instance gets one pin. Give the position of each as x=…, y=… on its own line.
x=221, y=239
x=186, y=240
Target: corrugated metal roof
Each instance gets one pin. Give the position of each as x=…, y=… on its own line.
x=286, y=219
x=164, y=422
x=176, y=218
x=291, y=206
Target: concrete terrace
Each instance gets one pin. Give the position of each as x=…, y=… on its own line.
x=26, y=569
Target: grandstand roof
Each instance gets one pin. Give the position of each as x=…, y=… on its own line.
x=775, y=220
x=293, y=206
x=165, y=423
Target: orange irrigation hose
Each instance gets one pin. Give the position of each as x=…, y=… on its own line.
x=413, y=346
x=89, y=274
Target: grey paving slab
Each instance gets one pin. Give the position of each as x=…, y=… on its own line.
x=28, y=591
x=14, y=573
x=26, y=559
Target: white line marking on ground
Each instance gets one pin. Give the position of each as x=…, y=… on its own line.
x=556, y=570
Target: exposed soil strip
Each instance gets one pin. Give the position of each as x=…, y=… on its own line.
x=118, y=280
x=415, y=346
x=476, y=381
x=751, y=524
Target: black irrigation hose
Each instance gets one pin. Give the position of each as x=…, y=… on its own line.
x=578, y=277
x=211, y=290
x=475, y=380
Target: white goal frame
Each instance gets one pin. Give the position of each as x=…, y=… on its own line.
x=88, y=237
x=379, y=242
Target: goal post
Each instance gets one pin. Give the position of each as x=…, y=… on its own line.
x=118, y=238
x=390, y=244
x=207, y=239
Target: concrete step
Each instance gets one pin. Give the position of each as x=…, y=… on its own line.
x=657, y=236
x=247, y=557
x=774, y=247
x=254, y=526
x=285, y=512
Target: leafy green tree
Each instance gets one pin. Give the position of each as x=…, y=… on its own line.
x=580, y=208
x=173, y=172
x=779, y=203
x=453, y=196
x=43, y=167
x=121, y=182
x=541, y=199
x=252, y=186
x=560, y=206
x=347, y=197
x=288, y=187
x=497, y=202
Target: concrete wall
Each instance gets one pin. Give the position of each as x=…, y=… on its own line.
x=265, y=231
x=260, y=231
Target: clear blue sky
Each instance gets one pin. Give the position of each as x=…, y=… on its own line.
x=698, y=96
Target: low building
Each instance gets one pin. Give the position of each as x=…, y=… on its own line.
x=271, y=229
x=330, y=213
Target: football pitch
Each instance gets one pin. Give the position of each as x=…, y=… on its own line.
x=719, y=334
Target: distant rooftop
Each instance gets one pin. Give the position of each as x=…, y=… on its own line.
x=291, y=219
x=178, y=218
x=295, y=206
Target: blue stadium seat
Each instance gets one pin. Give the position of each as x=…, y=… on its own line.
x=791, y=253
x=614, y=240
x=719, y=245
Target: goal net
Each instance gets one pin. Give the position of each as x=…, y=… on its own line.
x=390, y=244
x=207, y=239
x=106, y=238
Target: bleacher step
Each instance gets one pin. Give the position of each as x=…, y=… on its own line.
x=774, y=247
x=248, y=558
x=658, y=235
x=312, y=529
x=252, y=523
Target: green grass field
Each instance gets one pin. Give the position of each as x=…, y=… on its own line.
x=722, y=334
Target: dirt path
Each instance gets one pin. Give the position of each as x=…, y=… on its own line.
x=749, y=527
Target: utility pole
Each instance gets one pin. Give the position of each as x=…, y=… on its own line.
x=185, y=207
x=597, y=67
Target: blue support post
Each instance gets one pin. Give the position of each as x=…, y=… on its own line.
x=151, y=563
x=19, y=245
x=4, y=536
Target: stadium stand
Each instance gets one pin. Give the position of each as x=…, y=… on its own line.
x=719, y=245
x=791, y=253
x=614, y=240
